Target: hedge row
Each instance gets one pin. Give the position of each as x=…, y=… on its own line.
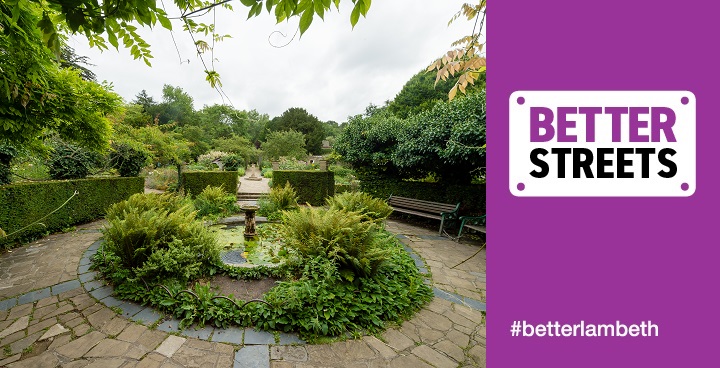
x=24, y=203
x=471, y=196
x=311, y=186
x=195, y=181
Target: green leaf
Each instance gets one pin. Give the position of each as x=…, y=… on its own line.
x=366, y=6
x=112, y=38
x=320, y=8
x=165, y=22
x=306, y=20
x=248, y=2
x=355, y=15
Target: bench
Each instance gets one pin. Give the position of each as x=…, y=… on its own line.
x=418, y=207
x=476, y=223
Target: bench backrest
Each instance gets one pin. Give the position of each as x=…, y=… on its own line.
x=421, y=205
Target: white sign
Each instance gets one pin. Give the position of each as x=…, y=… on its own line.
x=602, y=143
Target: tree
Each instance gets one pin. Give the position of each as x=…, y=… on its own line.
x=37, y=97
x=420, y=93
x=285, y=144
x=448, y=140
x=69, y=59
x=468, y=62
x=298, y=119
x=111, y=21
x=177, y=106
x=222, y=120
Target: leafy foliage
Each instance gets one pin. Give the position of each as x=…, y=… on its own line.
x=68, y=161
x=278, y=199
x=299, y=120
x=7, y=153
x=215, y=201
x=312, y=186
x=468, y=61
x=157, y=237
x=343, y=237
x=23, y=204
x=128, y=160
x=369, y=208
x=232, y=162
x=285, y=144
x=37, y=97
x=322, y=302
x=448, y=140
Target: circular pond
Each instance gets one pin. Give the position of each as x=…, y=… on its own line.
x=241, y=251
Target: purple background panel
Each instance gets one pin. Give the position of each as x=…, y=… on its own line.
x=604, y=259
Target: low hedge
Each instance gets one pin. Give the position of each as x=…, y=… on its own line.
x=195, y=181
x=470, y=196
x=311, y=186
x=24, y=203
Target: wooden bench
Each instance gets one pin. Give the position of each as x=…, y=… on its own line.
x=476, y=223
x=418, y=207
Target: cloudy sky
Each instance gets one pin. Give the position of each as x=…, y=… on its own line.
x=333, y=71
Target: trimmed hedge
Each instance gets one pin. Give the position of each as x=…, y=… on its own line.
x=195, y=181
x=24, y=203
x=311, y=186
x=470, y=196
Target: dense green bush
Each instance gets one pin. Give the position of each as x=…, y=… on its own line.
x=128, y=160
x=23, y=204
x=323, y=303
x=343, y=237
x=7, y=153
x=157, y=241
x=215, y=202
x=68, y=161
x=470, y=196
x=312, y=186
x=195, y=181
x=447, y=140
x=369, y=208
x=278, y=199
x=233, y=162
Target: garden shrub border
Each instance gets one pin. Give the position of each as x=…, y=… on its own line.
x=24, y=203
x=194, y=182
x=312, y=186
x=471, y=196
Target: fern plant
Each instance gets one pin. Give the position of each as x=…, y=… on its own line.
x=278, y=199
x=369, y=208
x=158, y=236
x=356, y=246
x=215, y=201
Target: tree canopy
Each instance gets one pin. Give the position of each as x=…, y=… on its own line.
x=299, y=120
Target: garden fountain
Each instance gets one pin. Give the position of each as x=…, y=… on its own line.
x=249, y=209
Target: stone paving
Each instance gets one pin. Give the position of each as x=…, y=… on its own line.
x=53, y=313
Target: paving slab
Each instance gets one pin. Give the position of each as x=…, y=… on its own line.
x=256, y=356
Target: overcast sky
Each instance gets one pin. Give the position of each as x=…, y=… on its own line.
x=333, y=71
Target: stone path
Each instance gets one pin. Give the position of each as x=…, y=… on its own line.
x=54, y=314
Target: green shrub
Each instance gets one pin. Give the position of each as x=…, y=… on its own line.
x=140, y=202
x=71, y=162
x=215, y=201
x=128, y=160
x=354, y=245
x=164, y=178
x=312, y=186
x=322, y=303
x=157, y=240
x=369, y=208
x=278, y=199
x=23, y=204
x=267, y=172
x=194, y=182
x=7, y=153
x=206, y=160
x=470, y=196
x=233, y=162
